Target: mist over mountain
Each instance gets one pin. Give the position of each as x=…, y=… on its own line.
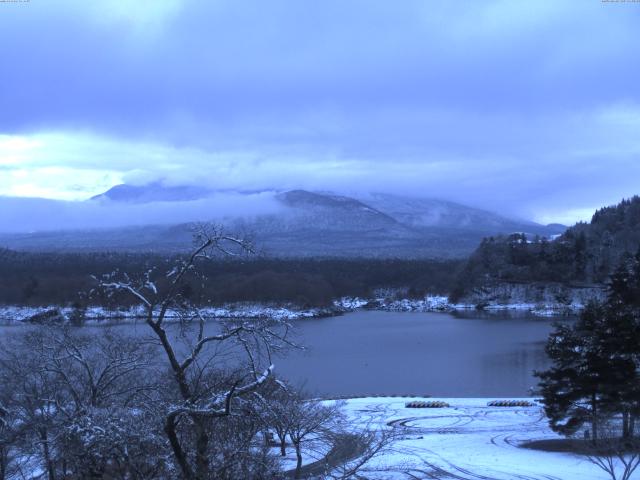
x=156, y=217
x=430, y=212
x=38, y=215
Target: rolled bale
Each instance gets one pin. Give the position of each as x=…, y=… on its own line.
x=426, y=404
x=510, y=403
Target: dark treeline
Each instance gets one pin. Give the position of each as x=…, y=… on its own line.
x=38, y=279
x=586, y=253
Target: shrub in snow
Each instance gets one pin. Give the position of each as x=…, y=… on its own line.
x=48, y=317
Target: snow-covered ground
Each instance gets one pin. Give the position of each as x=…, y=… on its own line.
x=312, y=451
x=469, y=440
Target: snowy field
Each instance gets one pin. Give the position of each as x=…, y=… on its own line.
x=469, y=440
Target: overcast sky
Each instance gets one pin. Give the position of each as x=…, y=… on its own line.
x=530, y=108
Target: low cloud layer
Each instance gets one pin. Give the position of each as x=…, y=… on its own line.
x=20, y=215
x=527, y=108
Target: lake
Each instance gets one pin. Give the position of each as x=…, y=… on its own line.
x=440, y=354
x=469, y=354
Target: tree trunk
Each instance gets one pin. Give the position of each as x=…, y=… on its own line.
x=625, y=424
x=97, y=473
x=632, y=425
x=594, y=417
x=298, y=459
x=202, y=445
x=181, y=458
x=283, y=444
x=4, y=460
x=51, y=472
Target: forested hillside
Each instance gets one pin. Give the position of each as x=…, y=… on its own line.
x=40, y=279
x=586, y=253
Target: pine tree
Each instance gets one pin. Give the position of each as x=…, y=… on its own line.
x=624, y=284
x=572, y=389
x=596, y=361
x=621, y=339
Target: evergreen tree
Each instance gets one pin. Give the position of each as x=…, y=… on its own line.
x=572, y=389
x=624, y=284
x=620, y=340
x=596, y=361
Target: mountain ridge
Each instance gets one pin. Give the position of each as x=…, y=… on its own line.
x=302, y=223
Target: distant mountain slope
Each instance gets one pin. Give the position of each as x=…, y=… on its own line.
x=334, y=212
x=302, y=223
x=427, y=213
x=586, y=253
x=153, y=192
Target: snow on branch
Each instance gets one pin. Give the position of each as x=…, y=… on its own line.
x=220, y=405
x=128, y=288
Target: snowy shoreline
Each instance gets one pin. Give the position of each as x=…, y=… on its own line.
x=442, y=304
x=95, y=315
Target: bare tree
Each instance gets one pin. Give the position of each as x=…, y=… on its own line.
x=309, y=420
x=114, y=443
x=618, y=457
x=9, y=435
x=187, y=422
x=365, y=446
x=57, y=382
x=33, y=394
x=321, y=426
x=277, y=403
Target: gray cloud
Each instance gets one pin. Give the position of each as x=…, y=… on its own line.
x=530, y=108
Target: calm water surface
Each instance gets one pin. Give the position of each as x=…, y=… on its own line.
x=420, y=353
x=371, y=352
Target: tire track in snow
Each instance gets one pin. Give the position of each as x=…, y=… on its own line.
x=507, y=438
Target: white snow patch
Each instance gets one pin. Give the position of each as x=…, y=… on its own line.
x=469, y=440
